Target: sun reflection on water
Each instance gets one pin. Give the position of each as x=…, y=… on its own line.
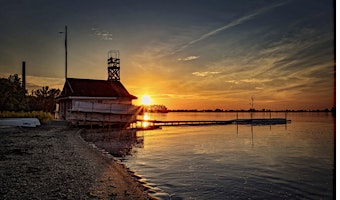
x=146, y=117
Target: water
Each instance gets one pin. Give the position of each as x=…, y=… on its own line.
x=293, y=161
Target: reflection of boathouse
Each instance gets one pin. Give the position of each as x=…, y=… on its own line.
x=117, y=142
x=98, y=102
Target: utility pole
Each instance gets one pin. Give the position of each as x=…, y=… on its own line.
x=65, y=32
x=65, y=52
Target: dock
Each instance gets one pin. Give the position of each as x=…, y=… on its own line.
x=148, y=124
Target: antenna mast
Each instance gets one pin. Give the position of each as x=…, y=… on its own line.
x=252, y=102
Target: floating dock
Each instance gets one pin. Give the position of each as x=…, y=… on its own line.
x=148, y=124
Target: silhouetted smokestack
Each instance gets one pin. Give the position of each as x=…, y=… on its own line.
x=24, y=75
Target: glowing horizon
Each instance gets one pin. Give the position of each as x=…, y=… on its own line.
x=279, y=52
x=200, y=101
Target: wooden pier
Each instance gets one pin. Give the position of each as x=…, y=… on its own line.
x=148, y=124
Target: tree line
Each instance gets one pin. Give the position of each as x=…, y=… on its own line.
x=13, y=97
x=254, y=110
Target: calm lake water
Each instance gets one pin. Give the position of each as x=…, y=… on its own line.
x=293, y=161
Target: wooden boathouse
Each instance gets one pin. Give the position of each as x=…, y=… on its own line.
x=98, y=102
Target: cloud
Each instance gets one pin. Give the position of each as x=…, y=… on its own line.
x=253, y=80
x=189, y=58
x=104, y=35
x=36, y=82
x=230, y=25
x=292, y=88
x=202, y=74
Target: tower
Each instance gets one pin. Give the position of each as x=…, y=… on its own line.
x=113, y=68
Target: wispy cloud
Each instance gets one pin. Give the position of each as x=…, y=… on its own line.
x=36, y=82
x=253, y=80
x=231, y=24
x=189, y=58
x=104, y=35
x=202, y=74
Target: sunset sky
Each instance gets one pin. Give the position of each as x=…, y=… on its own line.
x=185, y=54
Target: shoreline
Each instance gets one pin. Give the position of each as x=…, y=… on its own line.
x=52, y=162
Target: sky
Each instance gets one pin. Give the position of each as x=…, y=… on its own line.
x=184, y=54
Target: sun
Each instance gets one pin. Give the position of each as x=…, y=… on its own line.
x=146, y=100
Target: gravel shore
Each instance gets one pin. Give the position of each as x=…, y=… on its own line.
x=56, y=163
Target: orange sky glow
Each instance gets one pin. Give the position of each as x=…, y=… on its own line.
x=193, y=55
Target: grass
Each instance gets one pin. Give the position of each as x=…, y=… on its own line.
x=44, y=117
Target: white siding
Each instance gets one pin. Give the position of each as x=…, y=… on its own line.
x=81, y=106
x=100, y=118
x=98, y=111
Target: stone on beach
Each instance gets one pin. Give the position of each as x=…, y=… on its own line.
x=54, y=163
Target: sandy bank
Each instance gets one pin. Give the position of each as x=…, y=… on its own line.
x=55, y=163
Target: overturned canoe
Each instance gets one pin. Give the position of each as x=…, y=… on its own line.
x=22, y=122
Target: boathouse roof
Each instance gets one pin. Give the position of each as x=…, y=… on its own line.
x=94, y=88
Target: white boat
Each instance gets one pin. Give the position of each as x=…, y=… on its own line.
x=22, y=122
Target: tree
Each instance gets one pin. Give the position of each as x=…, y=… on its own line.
x=13, y=96
x=44, y=99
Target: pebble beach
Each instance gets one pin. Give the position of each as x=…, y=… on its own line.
x=56, y=163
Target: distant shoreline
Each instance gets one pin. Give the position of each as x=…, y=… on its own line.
x=219, y=110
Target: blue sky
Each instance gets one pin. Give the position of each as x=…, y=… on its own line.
x=184, y=54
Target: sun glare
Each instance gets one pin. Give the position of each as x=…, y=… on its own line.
x=145, y=124
x=146, y=100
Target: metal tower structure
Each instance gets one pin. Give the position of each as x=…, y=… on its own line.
x=113, y=63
